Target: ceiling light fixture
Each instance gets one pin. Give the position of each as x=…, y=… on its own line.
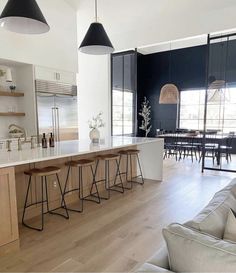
x=96, y=41
x=23, y=17
x=169, y=92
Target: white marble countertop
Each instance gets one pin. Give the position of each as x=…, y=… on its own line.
x=68, y=149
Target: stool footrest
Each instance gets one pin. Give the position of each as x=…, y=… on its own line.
x=114, y=188
x=87, y=198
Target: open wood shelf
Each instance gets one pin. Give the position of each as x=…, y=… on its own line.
x=11, y=114
x=11, y=94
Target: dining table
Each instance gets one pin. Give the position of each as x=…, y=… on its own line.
x=218, y=138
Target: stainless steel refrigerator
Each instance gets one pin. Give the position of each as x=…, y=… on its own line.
x=57, y=110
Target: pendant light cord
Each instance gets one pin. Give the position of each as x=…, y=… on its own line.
x=170, y=68
x=96, y=11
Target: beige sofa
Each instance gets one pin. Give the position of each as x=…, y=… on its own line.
x=198, y=245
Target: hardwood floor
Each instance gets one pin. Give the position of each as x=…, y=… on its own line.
x=119, y=234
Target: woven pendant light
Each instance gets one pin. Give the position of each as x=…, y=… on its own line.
x=169, y=92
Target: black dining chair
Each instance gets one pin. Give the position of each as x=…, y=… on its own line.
x=226, y=150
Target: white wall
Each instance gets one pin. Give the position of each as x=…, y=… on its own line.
x=136, y=23
x=93, y=92
x=57, y=48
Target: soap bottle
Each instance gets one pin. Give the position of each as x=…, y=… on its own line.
x=51, y=141
x=44, y=141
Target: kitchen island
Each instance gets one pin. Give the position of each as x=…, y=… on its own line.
x=13, y=182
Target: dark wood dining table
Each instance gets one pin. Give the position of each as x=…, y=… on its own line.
x=212, y=138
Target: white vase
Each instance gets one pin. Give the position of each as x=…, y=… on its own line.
x=94, y=135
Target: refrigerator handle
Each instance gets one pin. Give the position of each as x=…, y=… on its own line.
x=54, y=122
x=58, y=124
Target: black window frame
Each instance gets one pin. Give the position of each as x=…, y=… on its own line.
x=134, y=121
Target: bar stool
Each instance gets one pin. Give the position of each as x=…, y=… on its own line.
x=80, y=164
x=43, y=173
x=108, y=158
x=129, y=154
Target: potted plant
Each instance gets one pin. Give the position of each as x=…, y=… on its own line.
x=145, y=113
x=94, y=124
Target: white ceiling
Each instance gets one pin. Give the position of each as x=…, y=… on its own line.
x=155, y=19
x=73, y=3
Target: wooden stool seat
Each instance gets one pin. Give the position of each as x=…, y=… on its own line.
x=51, y=170
x=129, y=152
x=81, y=163
x=44, y=200
x=108, y=157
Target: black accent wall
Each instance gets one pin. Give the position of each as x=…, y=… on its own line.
x=188, y=70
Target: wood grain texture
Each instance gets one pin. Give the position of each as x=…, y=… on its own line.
x=11, y=94
x=11, y=114
x=8, y=209
x=120, y=234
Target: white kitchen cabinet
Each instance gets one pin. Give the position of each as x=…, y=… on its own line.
x=55, y=75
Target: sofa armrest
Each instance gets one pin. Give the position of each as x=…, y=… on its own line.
x=151, y=268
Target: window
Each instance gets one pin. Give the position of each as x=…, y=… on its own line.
x=123, y=111
x=221, y=115
x=123, y=67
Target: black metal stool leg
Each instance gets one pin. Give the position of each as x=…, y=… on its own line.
x=62, y=197
x=140, y=169
x=26, y=199
x=107, y=178
x=53, y=211
x=65, y=192
x=42, y=205
x=91, y=194
x=46, y=191
x=120, y=185
x=81, y=191
x=32, y=204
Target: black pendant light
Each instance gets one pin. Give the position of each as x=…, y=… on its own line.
x=23, y=16
x=96, y=41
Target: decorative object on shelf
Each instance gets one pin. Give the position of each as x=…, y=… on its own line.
x=16, y=131
x=146, y=115
x=94, y=125
x=169, y=92
x=12, y=88
x=5, y=73
x=2, y=73
x=96, y=41
x=23, y=17
x=8, y=75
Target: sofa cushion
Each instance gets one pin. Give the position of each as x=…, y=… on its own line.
x=151, y=268
x=191, y=251
x=230, y=227
x=213, y=217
